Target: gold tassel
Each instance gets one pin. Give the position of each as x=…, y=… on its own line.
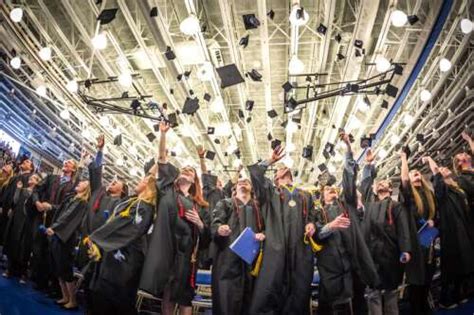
x=314, y=246
x=94, y=253
x=86, y=240
x=258, y=264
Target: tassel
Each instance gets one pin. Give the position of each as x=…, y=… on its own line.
x=86, y=240
x=94, y=253
x=258, y=264
x=314, y=246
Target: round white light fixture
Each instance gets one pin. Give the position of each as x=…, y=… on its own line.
x=363, y=106
x=205, y=72
x=292, y=127
x=466, y=26
x=119, y=162
x=331, y=168
x=382, y=64
x=133, y=150
x=298, y=19
x=104, y=121
x=190, y=25
x=296, y=66
x=133, y=171
x=15, y=62
x=85, y=133
x=425, y=95
x=99, y=41
x=72, y=86
x=382, y=153
x=444, y=65
x=408, y=119
x=125, y=80
x=217, y=105
x=236, y=163
x=398, y=18
x=394, y=140
x=45, y=53
x=41, y=90
x=16, y=15
x=65, y=115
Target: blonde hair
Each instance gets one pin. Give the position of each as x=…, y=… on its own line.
x=456, y=167
x=5, y=179
x=429, y=197
x=85, y=195
x=149, y=194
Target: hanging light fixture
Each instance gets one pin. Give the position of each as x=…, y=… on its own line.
x=72, y=86
x=292, y=127
x=382, y=153
x=16, y=15
x=133, y=171
x=217, y=105
x=290, y=147
x=408, y=119
x=125, y=80
x=190, y=25
x=363, y=106
x=119, y=162
x=444, y=65
x=65, y=115
x=466, y=26
x=382, y=64
x=85, y=133
x=45, y=53
x=99, y=41
x=395, y=139
x=296, y=66
x=41, y=90
x=15, y=62
x=236, y=163
x=425, y=95
x=298, y=16
x=398, y=18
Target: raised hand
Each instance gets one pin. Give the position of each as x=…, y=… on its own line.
x=260, y=237
x=340, y=222
x=345, y=137
x=466, y=136
x=224, y=230
x=193, y=217
x=369, y=156
x=201, y=151
x=100, y=142
x=277, y=154
x=164, y=127
x=426, y=159
x=310, y=229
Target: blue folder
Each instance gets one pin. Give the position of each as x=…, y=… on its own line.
x=246, y=246
x=427, y=234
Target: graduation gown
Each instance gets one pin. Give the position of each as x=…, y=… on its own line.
x=344, y=251
x=168, y=263
x=122, y=241
x=232, y=284
x=457, y=247
x=465, y=180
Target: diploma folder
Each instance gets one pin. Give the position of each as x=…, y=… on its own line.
x=246, y=246
x=427, y=234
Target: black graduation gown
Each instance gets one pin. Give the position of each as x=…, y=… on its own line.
x=465, y=180
x=344, y=251
x=18, y=234
x=457, y=247
x=232, y=284
x=122, y=241
x=66, y=222
x=168, y=262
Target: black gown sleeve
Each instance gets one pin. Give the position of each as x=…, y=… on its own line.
x=95, y=176
x=167, y=174
x=220, y=216
x=205, y=233
x=403, y=231
x=69, y=220
x=228, y=189
x=349, y=175
x=261, y=185
x=440, y=187
x=368, y=177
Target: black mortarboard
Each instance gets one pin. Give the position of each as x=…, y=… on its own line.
x=187, y=73
x=241, y=114
x=107, y=16
x=148, y=165
x=217, y=141
x=406, y=150
x=191, y=106
x=322, y=29
x=211, y=130
x=384, y=104
x=296, y=119
x=338, y=38
x=284, y=124
x=179, y=77
x=156, y=127
x=365, y=142
x=398, y=69
x=329, y=147
x=420, y=137
x=173, y=120
x=340, y=56
x=249, y=105
x=308, y=152
x=249, y=119
x=244, y=41
x=287, y=86
x=118, y=140
x=151, y=136
x=207, y=97
x=154, y=12
x=237, y=153
x=269, y=136
x=271, y=14
x=169, y=54
x=412, y=19
x=391, y=90
x=254, y=75
x=326, y=155
x=250, y=21
x=275, y=143
x=358, y=53
x=229, y=75
x=210, y=155
x=358, y=43
x=272, y=113
x=322, y=167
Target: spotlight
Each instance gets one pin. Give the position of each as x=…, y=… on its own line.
x=466, y=26
x=45, y=53
x=15, y=62
x=125, y=80
x=16, y=15
x=298, y=16
x=72, y=86
x=398, y=18
x=444, y=65
x=41, y=90
x=190, y=25
x=65, y=115
x=99, y=41
x=425, y=95
x=382, y=64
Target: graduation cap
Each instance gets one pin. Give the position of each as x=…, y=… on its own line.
x=326, y=155
x=308, y=152
x=211, y=130
x=352, y=88
x=296, y=119
x=217, y=141
x=340, y=56
x=118, y=140
x=358, y=43
x=107, y=16
x=241, y=114
x=365, y=142
x=322, y=29
x=269, y=136
x=156, y=127
x=398, y=69
x=384, y=104
x=284, y=124
x=229, y=75
x=187, y=73
x=210, y=155
x=207, y=97
x=249, y=105
x=406, y=150
x=191, y=106
x=169, y=54
x=287, y=86
x=275, y=143
x=358, y=53
x=271, y=14
x=338, y=38
x=148, y=165
x=322, y=167
x=291, y=104
x=237, y=153
x=154, y=12
x=254, y=75
x=412, y=19
x=329, y=147
x=250, y=21
x=272, y=113
x=244, y=41
x=173, y=120
x=391, y=90
x=249, y=119
x=420, y=137
x=151, y=136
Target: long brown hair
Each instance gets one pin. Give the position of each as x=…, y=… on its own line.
x=429, y=197
x=85, y=195
x=5, y=179
x=149, y=194
x=195, y=190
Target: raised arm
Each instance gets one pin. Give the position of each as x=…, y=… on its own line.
x=432, y=164
x=201, y=152
x=349, y=174
x=404, y=170
x=162, y=154
x=368, y=176
x=95, y=166
x=469, y=140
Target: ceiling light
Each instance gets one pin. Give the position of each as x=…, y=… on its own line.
x=65, y=115
x=223, y=129
x=104, y=121
x=364, y=105
x=425, y=95
x=217, y=105
x=408, y=119
x=85, y=133
x=133, y=150
x=292, y=127
x=331, y=168
x=466, y=26
x=125, y=80
x=298, y=16
x=236, y=163
x=296, y=66
x=41, y=90
x=290, y=147
x=119, y=162
x=382, y=64
x=444, y=65
x=45, y=53
x=72, y=86
x=382, y=153
x=133, y=171
x=16, y=15
x=190, y=25
x=205, y=72
x=15, y=62
x=398, y=18
x=395, y=139
x=99, y=41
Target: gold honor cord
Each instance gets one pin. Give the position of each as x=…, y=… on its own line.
x=258, y=264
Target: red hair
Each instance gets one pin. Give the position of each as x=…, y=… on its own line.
x=195, y=190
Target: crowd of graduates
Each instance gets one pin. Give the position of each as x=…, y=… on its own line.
x=363, y=241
